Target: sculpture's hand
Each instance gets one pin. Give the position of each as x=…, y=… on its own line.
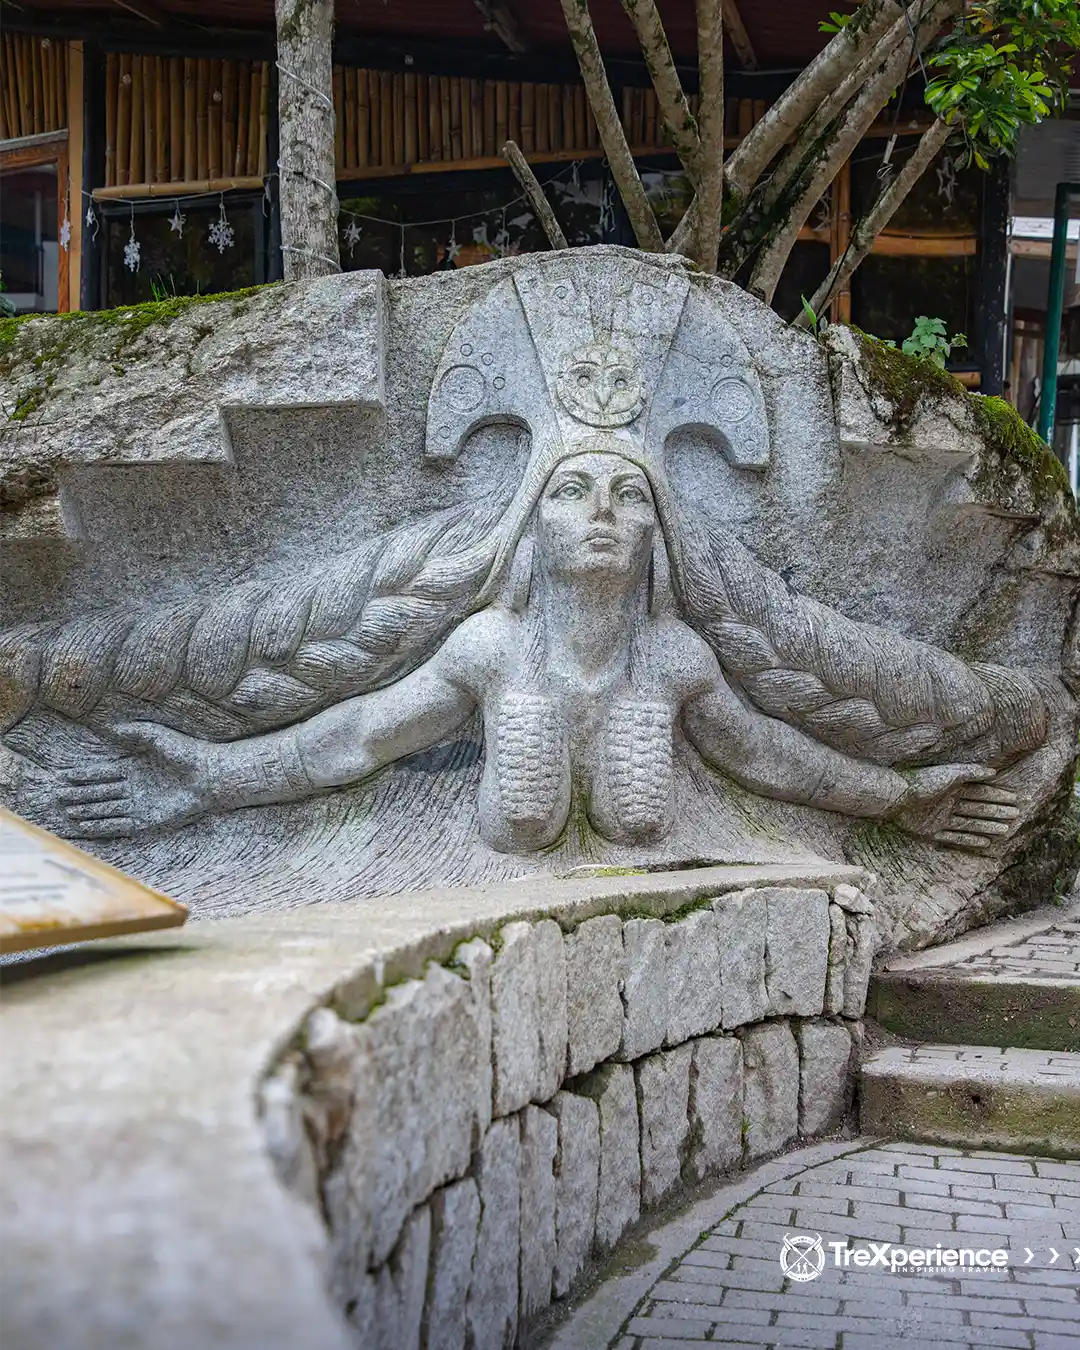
x=167, y=785
x=954, y=804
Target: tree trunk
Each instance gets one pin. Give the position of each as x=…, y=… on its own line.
x=710, y=187
x=306, y=173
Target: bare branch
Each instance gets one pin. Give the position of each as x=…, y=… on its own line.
x=740, y=38
x=820, y=169
x=814, y=84
x=500, y=19
x=535, y=193
x=710, y=193
x=679, y=122
x=612, y=137
x=879, y=215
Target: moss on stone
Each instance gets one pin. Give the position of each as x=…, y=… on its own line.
x=904, y=380
x=43, y=343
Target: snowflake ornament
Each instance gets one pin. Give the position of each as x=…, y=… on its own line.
x=132, y=251
x=453, y=248
x=65, y=233
x=946, y=179
x=176, y=221
x=221, y=234
x=92, y=221
x=352, y=235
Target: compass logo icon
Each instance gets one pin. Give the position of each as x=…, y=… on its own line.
x=802, y=1257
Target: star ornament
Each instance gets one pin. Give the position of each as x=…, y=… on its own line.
x=453, y=249
x=176, y=222
x=352, y=235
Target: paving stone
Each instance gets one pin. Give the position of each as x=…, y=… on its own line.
x=645, y=988
x=826, y=1078
x=539, y=1142
x=577, y=1177
x=740, y=932
x=796, y=951
x=491, y=1311
x=619, y=1193
x=715, y=1106
x=663, y=1094
x=771, y=1093
x=693, y=975
x=455, y=1213
x=595, y=969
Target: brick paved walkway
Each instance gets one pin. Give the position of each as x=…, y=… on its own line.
x=729, y=1288
x=1051, y=955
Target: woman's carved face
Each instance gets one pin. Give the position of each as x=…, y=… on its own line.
x=596, y=514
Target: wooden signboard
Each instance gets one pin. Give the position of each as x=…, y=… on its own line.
x=53, y=893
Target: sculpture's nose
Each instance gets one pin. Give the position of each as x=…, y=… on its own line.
x=603, y=506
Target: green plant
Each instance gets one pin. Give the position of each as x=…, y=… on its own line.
x=164, y=288
x=929, y=343
x=815, y=322
x=834, y=22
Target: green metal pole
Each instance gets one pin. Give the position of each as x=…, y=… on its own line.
x=1054, y=302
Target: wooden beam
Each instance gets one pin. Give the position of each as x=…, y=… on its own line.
x=500, y=19
x=740, y=38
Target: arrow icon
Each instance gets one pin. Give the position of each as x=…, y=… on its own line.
x=1053, y=1255
x=1030, y=1256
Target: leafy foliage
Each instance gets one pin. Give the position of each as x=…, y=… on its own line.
x=1005, y=64
x=834, y=22
x=929, y=343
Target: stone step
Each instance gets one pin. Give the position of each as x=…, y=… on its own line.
x=1015, y=983
x=1026, y=1101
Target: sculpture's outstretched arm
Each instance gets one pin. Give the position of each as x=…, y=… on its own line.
x=175, y=778
x=950, y=803
x=774, y=759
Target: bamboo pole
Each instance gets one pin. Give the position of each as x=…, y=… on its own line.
x=623, y=168
x=345, y=106
x=535, y=193
x=363, y=119
x=579, y=117
x=190, y=157
x=444, y=100
x=540, y=132
x=7, y=84
x=489, y=118
x=112, y=99
x=375, y=114
x=136, y=164
x=397, y=112
x=528, y=114
x=513, y=110
x=243, y=115
x=123, y=123
x=25, y=87
x=434, y=118
x=476, y=103
x=229, y=115
x=466, y=119
x=161, y=119
x=264, y=123
x=412, y=140
x=251, y=163
x=202, y=117
x=33, y=48
x=500, y=112
x=198, y=187
x=386, y=115
x=555, y=111
x=423, y=120
x=456, y=149
x=63, y=50
x=48, y=80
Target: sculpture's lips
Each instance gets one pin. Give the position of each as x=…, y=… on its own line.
x=601, y=536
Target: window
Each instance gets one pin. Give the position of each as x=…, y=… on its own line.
x=33, y=188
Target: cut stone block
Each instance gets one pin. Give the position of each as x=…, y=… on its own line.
x=402, y=1283
x=619, y=1193
x=663, y=1091
x=826, y=1078
x=539, y=1143
x=577, y=1176
x=834, y=982
x=974, y=1097
x=550, y=948
x=796, y=951
x=423, y=1085
x=645, y=988
x=491, y=1311
x=515, y=1012
x=861, y=944
x=693, y=975
x=771, y=1092
x=740, y=933
x=473, y=960
x=716, y=1106
x=594, y=973
x=455, y=1213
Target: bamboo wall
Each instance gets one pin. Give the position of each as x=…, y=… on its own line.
x=33, y=85
x=184, y=119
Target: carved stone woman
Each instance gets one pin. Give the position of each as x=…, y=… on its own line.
x=588, y=684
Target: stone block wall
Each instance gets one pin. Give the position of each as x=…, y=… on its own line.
x=485, y=1131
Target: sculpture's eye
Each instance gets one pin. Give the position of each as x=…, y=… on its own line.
x=632, y=495
x=569, y=492
x=583, y=377
x=620, y=383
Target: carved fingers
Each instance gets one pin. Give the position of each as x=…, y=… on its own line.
x=97, y=804
x=980, y=815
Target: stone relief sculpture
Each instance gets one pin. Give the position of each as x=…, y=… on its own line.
x=601, y=634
